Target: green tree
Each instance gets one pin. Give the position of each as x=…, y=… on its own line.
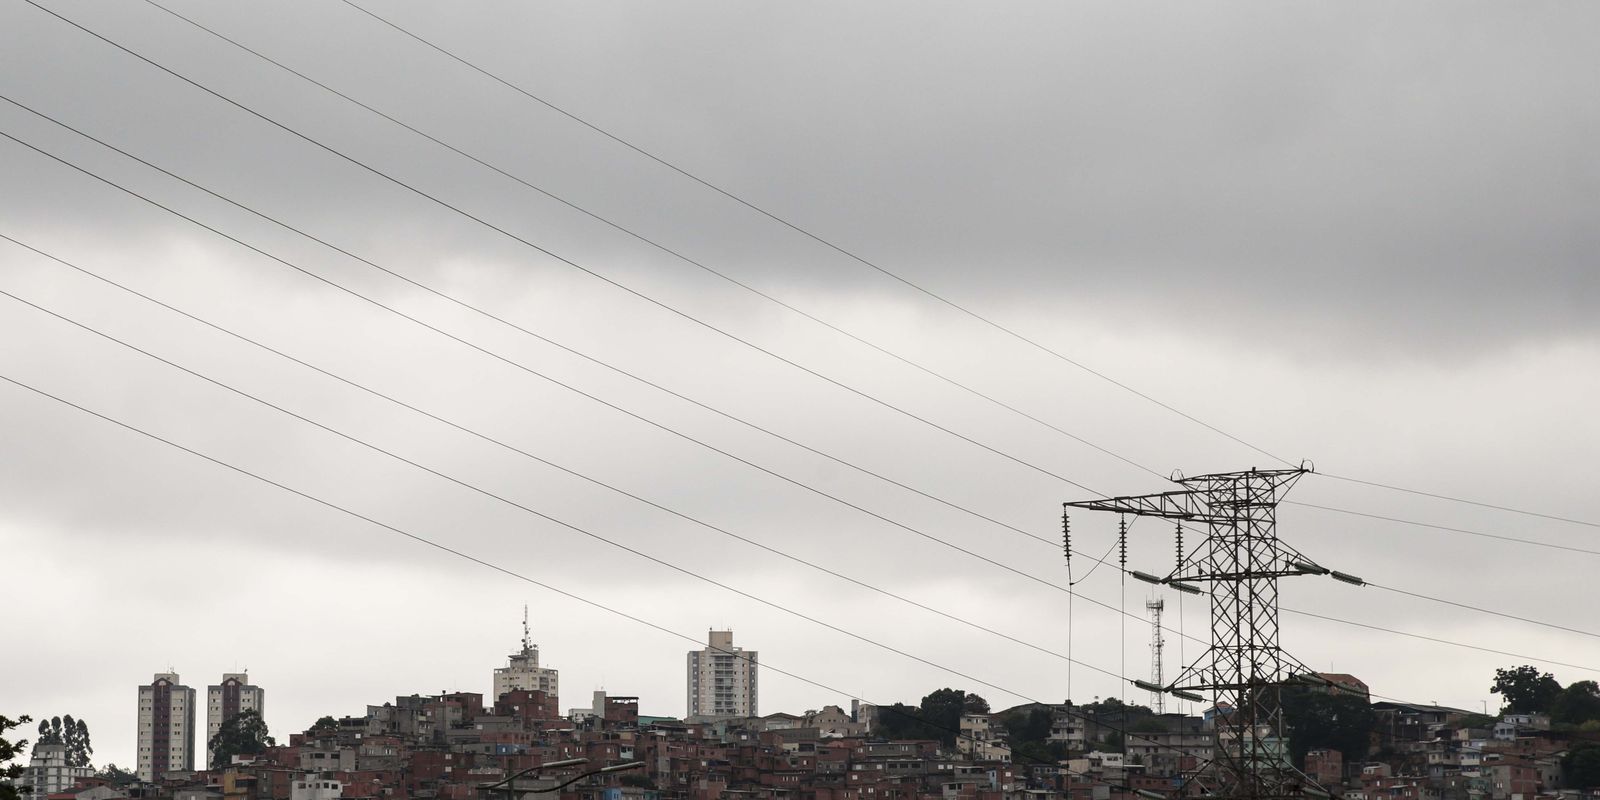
x=1032, y=725
x=9, y=751
x=1576, y=704
x=1526, y=690
x=1317, y=719
x=1580, y=768
x=116, y=775
x=326, y=723
x=942, y=710
x=898, y=721
x=243, y=735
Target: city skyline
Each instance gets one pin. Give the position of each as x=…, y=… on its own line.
x=955, y=266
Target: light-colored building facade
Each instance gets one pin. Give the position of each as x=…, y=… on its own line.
x=48, y=772
x=722, y=679
x=166, y=727
x=226, y=700
x=523, y=672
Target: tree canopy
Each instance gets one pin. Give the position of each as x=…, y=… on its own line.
x=937, y=717
x=1337, y=721
x=8, y=751
x=244, y=734
x=1576, y=704
x=1580, y=768
x=1526, y=690
x=117, y=776
x=72, y=733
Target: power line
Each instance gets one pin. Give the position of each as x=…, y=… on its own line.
x=502, y=444
x=508, y=234
x=1482, y=610
x=575, y=528
x=751, y=205
x=1449, y=529
x=452, y=551
x=484, y=313
x=1441, y=641
x=968, y=552
x=851, y=389
x=515, y=504
x=807, y=233
x=569, y=387
x=1463, y=500
x=659, y=246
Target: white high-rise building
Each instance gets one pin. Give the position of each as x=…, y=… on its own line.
x=524, y=672
x=166, y=727
x=48, y=773
x=225, y=700
x=722, y=679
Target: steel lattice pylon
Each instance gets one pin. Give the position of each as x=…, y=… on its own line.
x=1242, y=558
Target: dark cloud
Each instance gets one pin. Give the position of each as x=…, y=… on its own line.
x=1355, y=234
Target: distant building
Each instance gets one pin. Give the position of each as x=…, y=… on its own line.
x=1339, y=682
x=722, y=680
x=166, y=727
x=523, y=673
x=48, y=773
x=226, y=700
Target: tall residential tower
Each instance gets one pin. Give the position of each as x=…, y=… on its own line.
x=166, y=727
x=722, y=679
x=524, y=671
x=225, y=700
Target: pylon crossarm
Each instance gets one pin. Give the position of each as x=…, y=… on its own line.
x=1171, y=505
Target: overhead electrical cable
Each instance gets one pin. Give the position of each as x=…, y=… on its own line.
x=517, y=450
x=586, y=270
x=662, y=247
x=394, y=529
x=919, y=288
x=1482, y=610
x=480, y=311
x=537, y=247
x=846, y=387
x=1447, y=528
x=1408, y=634
x=1463, y=500
x=470, y=486
x=809, y=234
x=561, y=384
x=872, y=641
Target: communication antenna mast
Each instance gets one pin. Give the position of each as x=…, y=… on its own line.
x=1158, y=700
x=527, y=638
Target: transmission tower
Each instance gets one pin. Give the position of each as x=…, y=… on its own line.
x=1244, y=668
x=1158, y=699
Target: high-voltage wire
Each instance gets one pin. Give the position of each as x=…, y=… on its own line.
x=1450, y=529
x=586, y=270
x=808, y=234
x=751, y=205
x=1482, y=610
x=502, y=444
x=1463, y=500
x=536, y=373
x=653, y=301
x=661, y=247
x=352, y=160
x=445, y=548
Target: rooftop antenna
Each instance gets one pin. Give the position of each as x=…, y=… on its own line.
x=527, y=638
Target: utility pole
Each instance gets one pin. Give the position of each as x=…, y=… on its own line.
x=1242, y=560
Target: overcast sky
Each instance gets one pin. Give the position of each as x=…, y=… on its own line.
x=1359, y=234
